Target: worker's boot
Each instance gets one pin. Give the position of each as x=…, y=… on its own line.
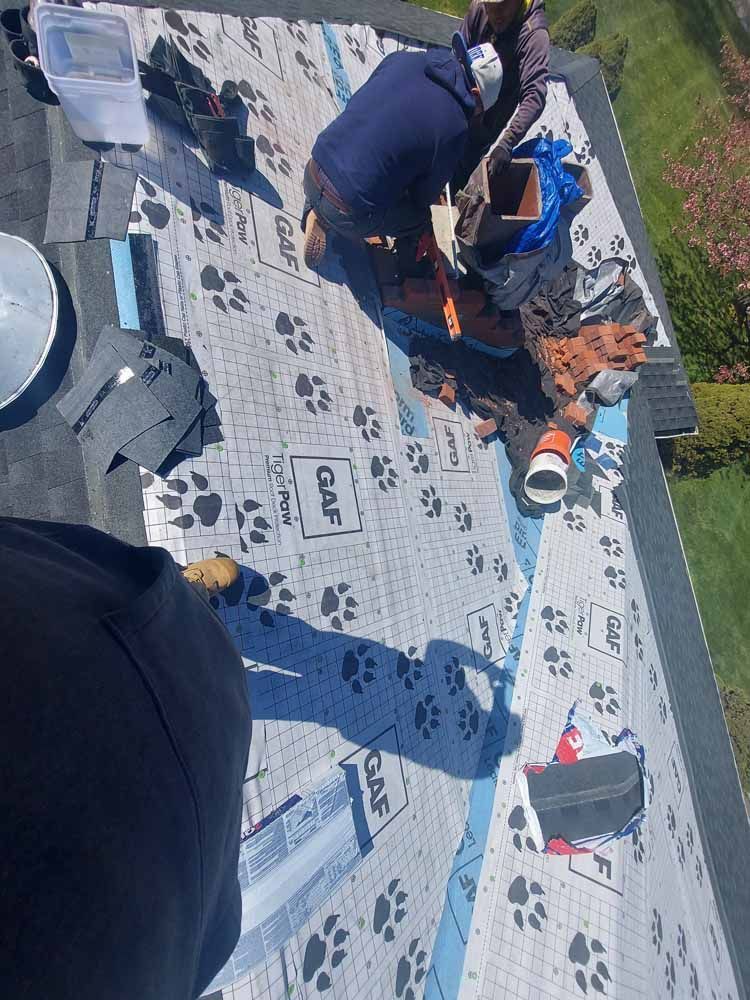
x=214, y=574
x=315, y=241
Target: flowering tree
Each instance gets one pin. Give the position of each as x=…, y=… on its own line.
x=715, y=174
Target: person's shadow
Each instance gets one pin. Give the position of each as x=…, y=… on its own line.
x=388, y=701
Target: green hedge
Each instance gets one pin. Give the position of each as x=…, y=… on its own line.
x=724, y=430
x=737, y=711
x=576, y=27
x=611, y=52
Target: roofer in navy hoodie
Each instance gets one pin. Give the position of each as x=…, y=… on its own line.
x=379, y=166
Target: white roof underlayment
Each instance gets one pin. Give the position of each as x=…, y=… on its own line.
x=416, y=641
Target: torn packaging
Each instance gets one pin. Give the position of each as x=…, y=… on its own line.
x=591, y=794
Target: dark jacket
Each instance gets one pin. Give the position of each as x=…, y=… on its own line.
x=124, y=736
x=404, y=130
x=524, y=52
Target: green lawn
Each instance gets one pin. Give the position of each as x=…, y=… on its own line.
x=715, y=528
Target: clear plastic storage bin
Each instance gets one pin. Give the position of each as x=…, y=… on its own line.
x=90, y=63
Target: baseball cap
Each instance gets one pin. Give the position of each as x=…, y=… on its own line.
x=483, y=68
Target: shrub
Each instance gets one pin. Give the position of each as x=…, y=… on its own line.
x=724, y=430
x=734, y=374
x=576, y=27
x=736, y=706
x=611, y=52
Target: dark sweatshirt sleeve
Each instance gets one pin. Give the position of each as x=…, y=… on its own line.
x=533, y=67
x=470, y=24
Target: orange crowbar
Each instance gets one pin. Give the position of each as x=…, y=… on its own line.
x=428, y=245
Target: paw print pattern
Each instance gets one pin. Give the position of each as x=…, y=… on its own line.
x=662, y=710
x=296, y=32
x=468, y=720
x=415, y=456
x=331, y=602
x=574, y=522
x=638, y=643
x=409, y=667
x=157, y=214
x=580, y=953
x=310, y=69
x=635, y=611
x=652, y=676
x=292, y=332
x=257, y=527
x=616, y=245
x=558, y=662
x=390, y=909
x=475, y=560
x=555, y=620
x=517, y=822
x=357, y=668
x=612, y=547
x=189, y=37
x=263, y=593
x=699, y=871
x=212, y=228
x=455, y=676
x=311, y=390
x=206, y=508
x=411, y=969
x=382, y=470
x=364, y=418
x=594, y=256
x=639, y=847
x=212, y=281
x=615, y=451
x=657, y=930
x=670, y=973
x=354, y=46
x=681, y=944
x=615, y=577
x=585, y=154
x=524, y=914
x=500, y=568
x=545, y=132
x=427, y=716
x=689, y=837
x=462, y=517
x=316, y=962
x=694, y=985
x=604, y=698
x=580, y=234
x=431, y=502
x=671, y=821
x=512, y=603
x=257, y=101
x=275, y=154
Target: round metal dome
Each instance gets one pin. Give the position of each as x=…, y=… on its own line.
x=28, y=315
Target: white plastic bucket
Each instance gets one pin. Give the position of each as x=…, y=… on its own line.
x=547, y=479
x=89, y=61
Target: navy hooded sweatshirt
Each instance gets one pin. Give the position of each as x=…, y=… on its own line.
x=403, y=131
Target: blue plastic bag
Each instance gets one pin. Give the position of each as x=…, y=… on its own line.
x=557, y=188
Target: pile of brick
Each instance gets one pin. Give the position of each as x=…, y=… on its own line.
x=478, y=317
x=574, y=361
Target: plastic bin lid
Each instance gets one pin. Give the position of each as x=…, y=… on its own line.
x=86, y=45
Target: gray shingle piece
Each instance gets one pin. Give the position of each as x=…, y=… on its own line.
x=69, y=502
x=33, y=190
x=30, y=139
x=7, y=171
x=63, y=458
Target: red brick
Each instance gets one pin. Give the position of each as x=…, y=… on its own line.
x=577, y=415
x=486, y=428
x=447, y=394
x=566, y=384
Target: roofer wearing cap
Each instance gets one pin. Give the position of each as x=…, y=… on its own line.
x=518, y=31
x=379, y=166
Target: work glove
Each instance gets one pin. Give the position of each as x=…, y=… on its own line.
x=500, y=157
